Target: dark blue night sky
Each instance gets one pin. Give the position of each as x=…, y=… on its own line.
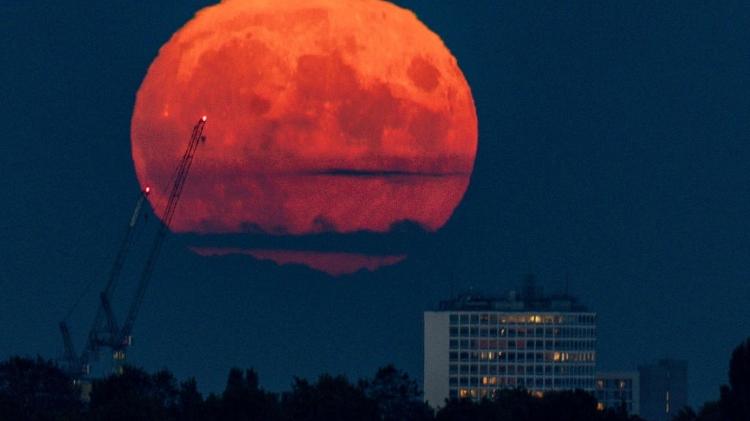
x=613, y=146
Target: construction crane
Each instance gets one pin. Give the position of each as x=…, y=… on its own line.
x=105, y=332
x=72, y=360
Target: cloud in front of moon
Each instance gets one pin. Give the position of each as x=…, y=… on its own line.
x=324, y=116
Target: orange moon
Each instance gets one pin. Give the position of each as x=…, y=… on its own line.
x=323, y=116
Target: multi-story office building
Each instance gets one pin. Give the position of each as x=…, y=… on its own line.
x=663, y=389
x=614, y=389
x=475, y=345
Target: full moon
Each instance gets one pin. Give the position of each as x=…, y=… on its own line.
x=323, y=116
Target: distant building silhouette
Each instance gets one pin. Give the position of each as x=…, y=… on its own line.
x=663, y=389
x=475, y=345
x=613, y=389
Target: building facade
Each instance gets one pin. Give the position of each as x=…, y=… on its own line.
x=663, y=389
x=614, y=389
x=475, y=345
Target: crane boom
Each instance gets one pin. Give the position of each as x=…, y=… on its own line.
x=181, y=174
x=78, y=363
x=104, y=311
x=105, y=331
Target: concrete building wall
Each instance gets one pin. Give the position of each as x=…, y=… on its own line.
x=472, y=354
x=436, y=331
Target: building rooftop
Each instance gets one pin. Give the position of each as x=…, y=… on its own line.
x=530, y=298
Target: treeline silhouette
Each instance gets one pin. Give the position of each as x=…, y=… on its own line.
x=37, y=390
x=734, y=400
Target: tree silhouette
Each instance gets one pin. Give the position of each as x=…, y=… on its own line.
x=519, y=405
x=134, y=394
x=35, y=389
x=711, y=411
x=735, y=398
x=243, y=399
x=328, y=399
x=685, y=414
x=190, y=404
x=396, y=395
